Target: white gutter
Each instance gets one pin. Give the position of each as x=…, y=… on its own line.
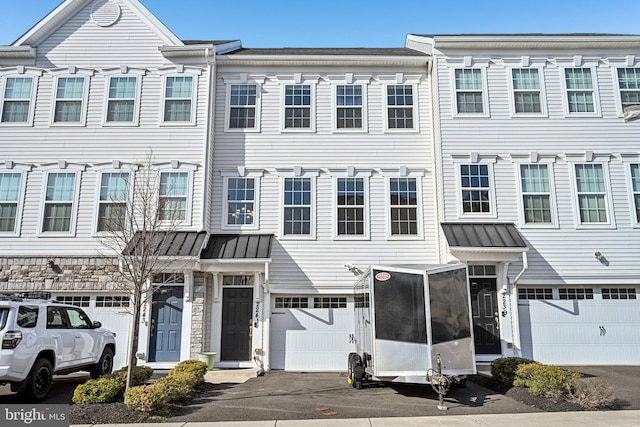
x=525, y=266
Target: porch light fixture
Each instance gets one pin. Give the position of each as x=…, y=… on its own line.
x=598, y=255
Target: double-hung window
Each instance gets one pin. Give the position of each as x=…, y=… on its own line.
x=591, y=193
x=629, y=85
x=179, y=99
x=122, y=99
x=10, y=192
x=580, y=90
x=112, y=204
x=469, y=91
x=298, y=207
x=242, y=106
x=174, y=194
x=475, y=189
x=241, y=199
x=70, y=99
x=17, y=100
x=351, y=199
x=635, y=188
x=527, y=97
x=59, y=201
x=400, y=107
x=536, y=194
x=349, y=107
x=297, y=107
x=403, y=203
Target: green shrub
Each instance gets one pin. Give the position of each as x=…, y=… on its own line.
x=591, y=393
x=176, y=387
x=504, y=368
x=101, y=390
x=545, y=380
x=151, y=398
x=197, y=368
x=139, y=375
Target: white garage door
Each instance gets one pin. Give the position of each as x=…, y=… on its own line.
x=112, y=312
x=586, y=326
x=311, y=333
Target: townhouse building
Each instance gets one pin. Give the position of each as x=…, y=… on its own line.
x=538, y=152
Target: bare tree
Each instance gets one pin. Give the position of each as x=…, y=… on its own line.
x=139, y=211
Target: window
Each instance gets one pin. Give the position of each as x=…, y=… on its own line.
x=292, y=302
x=400, y=107
x=69, y=99
x=297, y=107
x=27, y=317
x=580, y=93
x=526, y=90
x=174, y=190
x=475, y=187
x=635, y=187
x=10, y=190
x=112, y=302
x=629, y=85
x=121, y=102
x=349, y=104
x=178, y=99
x=238, y=280
x=58, y=202
x=16, y=105
x=112, y=204
x=482, y=270
x=575, y=294
x=168, y=278
x=590, y=185
x=297, y=206
x=535, y=293
x=242, y=102
x=330, y=302
x=351, y=207
x=536, y=194
x=78, y=300
x=57, y=318
x=240, y=201
x=469, y=91
x=78, y=319
x=403, y=201
x=618, y=293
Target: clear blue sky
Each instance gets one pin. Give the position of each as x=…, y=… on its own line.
x=355, y=23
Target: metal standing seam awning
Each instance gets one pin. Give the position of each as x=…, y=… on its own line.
x=167, y=243
x=501, y=241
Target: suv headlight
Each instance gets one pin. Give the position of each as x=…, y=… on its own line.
x=11, y=339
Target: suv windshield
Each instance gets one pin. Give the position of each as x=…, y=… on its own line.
x=4, y=313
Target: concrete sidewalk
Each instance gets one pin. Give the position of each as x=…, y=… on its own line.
x=547, y=419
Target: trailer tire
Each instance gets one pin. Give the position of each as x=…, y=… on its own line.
x=358, y=376
x=352, y=358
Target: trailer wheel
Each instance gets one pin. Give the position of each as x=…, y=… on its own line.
x=352, y=358
x=358, y=376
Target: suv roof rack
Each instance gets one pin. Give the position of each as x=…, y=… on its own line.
x=19, y=296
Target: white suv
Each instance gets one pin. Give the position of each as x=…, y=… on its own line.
x=41, y=337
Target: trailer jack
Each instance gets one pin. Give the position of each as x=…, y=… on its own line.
x=440, y=384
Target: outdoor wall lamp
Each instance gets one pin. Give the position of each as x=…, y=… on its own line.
x=598, y=255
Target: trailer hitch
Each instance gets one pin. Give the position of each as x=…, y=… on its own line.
x=440, y=383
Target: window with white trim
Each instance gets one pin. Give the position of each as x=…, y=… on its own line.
x=113, y=301
x=241, y=199
x=403, y=205
x=77, y=300
x=292, y=302
x=575, y=293
x=635, y=188
x=243, y=100
x=591, y=193
x=580, y=90
x=526, y=90
x=629, y=86
x=69, y=99
x=179, y=99
x=535, y=293
x=536, y=194
x=330, y=302
x=349, y=107
x=10, y=197
x=297, y=106
x=17, y=105
x=112, y=203
x=475, y=188
x=122, y=99
x=350, y=205
x=618, y=293
x=400, y=107
x=238, y=280
x=298, y=207
x=469, y=90
x=59, y=201
x=174, y=193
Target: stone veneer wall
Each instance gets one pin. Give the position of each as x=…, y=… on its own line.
x=65, y=273
x=197, y=315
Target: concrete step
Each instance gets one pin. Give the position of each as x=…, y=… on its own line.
x=240, y=375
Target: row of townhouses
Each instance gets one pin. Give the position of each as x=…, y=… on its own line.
x=295, y=169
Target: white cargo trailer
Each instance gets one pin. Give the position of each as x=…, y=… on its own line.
x=408, y=319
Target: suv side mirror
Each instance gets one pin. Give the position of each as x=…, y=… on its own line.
x=97, y=325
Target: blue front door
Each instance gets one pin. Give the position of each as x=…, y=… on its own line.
x=166, y=324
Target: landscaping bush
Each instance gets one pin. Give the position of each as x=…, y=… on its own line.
x=504, y=368
x=591, y=393
x=177, y=387
x=139, y=375
x=101, y=390
x=545, y=380
x=194, y=367
x=151, y=398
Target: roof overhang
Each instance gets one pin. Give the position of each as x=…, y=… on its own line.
x=484, y=242
x=17, y=52
x=320, y=60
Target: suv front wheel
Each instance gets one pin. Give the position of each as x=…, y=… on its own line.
x=104, y=365
x=40, y=380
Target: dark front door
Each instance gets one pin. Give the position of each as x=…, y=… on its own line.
x=166, y=324
x=484, y=307
x=236, y=324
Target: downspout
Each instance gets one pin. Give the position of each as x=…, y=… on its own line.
x=525, y=266
x=515, y=320
x=208, y=154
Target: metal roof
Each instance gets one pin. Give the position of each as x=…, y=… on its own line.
x=179, y=243
x=483, y=235
x=238, y=246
